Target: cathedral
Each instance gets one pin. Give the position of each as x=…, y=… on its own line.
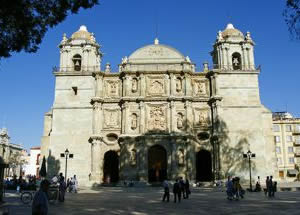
x=157, y=117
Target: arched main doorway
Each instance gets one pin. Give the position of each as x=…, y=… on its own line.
x=204, y=166
x=111, y=167
x=157, y=164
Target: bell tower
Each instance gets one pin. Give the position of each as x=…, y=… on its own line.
x=80, y=52
x=244, y=122
x=233, y=50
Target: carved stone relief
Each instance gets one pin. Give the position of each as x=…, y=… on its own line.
x=112, y=89
x=156, y=87
x=203, y=117
x=111, y=119
x=199, y=88
x=157, y=119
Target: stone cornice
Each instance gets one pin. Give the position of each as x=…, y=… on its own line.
x=73, y=73
x=231, y=72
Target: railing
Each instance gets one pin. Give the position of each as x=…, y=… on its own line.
x=72, y=69
x=230, y=67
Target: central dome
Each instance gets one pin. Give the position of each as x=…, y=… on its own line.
x=82, y=34
x=156, y=53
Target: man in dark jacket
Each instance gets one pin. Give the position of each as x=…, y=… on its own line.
x=187, y=188
x=177, y=191
x=182, y=187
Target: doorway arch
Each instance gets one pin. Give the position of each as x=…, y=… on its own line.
x=204, y=166
x=111, y=167
x=157, y=164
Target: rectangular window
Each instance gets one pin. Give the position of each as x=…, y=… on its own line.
x=288, y=128
x=278, y=150
x=277, y=139
x=281, y=174
x=291, y=160
x=290, y=149
x=297, y=140
x=279, y=161
x=297, y=128
x=289, y=138
x=276, y=128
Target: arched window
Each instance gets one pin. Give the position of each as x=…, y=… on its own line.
x=236, y=61
x=77, y=62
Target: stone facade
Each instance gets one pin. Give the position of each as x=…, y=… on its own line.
x=286, y=130
x=12, y=154
x=157, y=117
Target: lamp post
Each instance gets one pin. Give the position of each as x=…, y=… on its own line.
x=249, y=155
x=67, y=155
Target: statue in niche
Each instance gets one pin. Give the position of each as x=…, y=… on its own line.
x=133, y=121
x=179, y=121
x=180, y=155
x=203, y=117
x=111, y=118
x=178, y=85
x=134, y=86
x=133, y=157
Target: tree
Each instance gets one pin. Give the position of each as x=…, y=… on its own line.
x=43, y=172
x=292, y=17
x=23, y=23
x=16, y=160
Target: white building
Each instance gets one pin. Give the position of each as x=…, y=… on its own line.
x=33, y=165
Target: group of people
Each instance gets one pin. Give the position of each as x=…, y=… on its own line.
x=271, y=187
x=234, y=189
x=180, y=188
x=21, y=183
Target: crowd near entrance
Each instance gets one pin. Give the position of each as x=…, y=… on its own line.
x=204, y=166
x=111, y=167
x=157, y=164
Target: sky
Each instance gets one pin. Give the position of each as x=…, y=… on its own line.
x=120, y=27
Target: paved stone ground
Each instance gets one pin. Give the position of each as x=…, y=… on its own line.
x=144, y=201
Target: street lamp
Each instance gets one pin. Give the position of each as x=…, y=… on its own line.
x=249, y=155
x=67, y=155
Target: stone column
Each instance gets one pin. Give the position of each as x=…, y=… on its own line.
x=174, y=168
x=126, y=117
x=143, y=85
x=95, y=160
x=189, y=115
x=188, y=85
x=99, y=85
x=142, y=118
x=245, y=58
x=172, y=85
x=97, y=118
x=222, y=57
x=172, y=117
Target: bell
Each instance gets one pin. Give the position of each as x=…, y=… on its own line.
x=77, y=63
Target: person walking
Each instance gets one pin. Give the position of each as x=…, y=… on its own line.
x=267, y=185
x=177, y=191
x=187, y=188
x=74, y=184
x=270, y=188
x=166, y=191
x=62, y=189
x=40, y=199
x=229, y=188
x=182, y=187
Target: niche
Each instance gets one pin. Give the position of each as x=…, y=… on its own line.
x=236, y=61
x=77, y=62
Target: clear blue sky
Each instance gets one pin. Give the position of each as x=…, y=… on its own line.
x=27, y=84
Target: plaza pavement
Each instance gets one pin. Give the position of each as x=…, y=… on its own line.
x=145, y=201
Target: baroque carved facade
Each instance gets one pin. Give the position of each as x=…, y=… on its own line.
x=157, y=117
